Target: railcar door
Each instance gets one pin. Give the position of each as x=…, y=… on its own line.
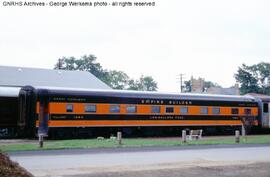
x=266, y=115
x=43, y=116
x=26, y=112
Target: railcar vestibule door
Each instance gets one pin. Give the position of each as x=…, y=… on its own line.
x=43, y=117
x=26, y=112
x=266, y=115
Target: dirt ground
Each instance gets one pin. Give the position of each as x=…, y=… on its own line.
x=243, y=170
x=11, y=169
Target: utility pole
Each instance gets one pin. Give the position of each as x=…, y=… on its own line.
x=181, y=82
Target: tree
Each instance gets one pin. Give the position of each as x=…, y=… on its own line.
x=254, y=78
x=85, y=63
x=115, y=79
x=187, y=86
x=60, y=64
x=149, y=83
x=208, y=84
x=133, y=85
x=144, y=83
x=118, y=79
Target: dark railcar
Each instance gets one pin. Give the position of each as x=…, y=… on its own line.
x=8, y=112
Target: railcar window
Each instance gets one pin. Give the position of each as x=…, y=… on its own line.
x=265, y=108
x=216, y=110
x=247, y=111
x=235, y=110
x=115, y=108
x=131, y=109
x=183, y=110
x=204, y=110
x=169, y=109
x=69, y=108
x=90, y=108
x=155, y=109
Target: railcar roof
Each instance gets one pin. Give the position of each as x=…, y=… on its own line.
x=9, y=91
x=144, y=94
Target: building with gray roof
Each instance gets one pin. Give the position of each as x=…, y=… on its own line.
x=21, y=76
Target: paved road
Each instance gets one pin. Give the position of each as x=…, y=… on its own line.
x=72, y=162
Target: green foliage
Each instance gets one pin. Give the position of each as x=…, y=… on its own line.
x=187, y=86
x=113, y=78
x=208, y=84
x=254, y=78
x=144, y=83
x=85, y=63
x=118, y=79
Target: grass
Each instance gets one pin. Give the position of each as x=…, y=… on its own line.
x=130, y=142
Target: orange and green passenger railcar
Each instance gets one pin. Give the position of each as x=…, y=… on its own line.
x=69, y=108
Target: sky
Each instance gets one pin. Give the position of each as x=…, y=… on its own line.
x=208, y=39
